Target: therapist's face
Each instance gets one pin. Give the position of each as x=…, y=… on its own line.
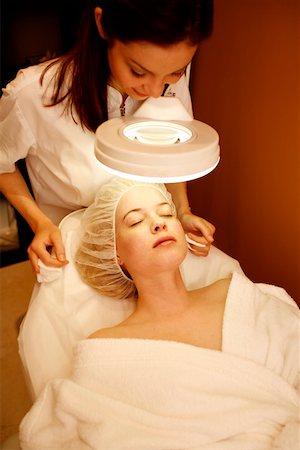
x=149, y=237
x=141, y=69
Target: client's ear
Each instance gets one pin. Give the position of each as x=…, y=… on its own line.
x=98, y=19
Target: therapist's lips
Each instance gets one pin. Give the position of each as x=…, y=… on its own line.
x=164, y=241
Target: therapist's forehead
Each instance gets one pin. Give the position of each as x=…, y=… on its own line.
x=155, y=58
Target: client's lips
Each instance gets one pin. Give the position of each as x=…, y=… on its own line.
x=163, y=240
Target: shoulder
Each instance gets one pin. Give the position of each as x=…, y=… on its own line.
x=110, y=332
x=102, y=333
x=217, y=290
x=223, y=284
x=24, y=77
x=212, y=298
x=275, y=306
x=27, y=83
x=261, y=323
x=265, y=309
x=266, y=297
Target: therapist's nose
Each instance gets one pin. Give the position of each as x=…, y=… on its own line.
x=155, y=88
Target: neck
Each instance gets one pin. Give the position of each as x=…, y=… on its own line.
x=161, y=295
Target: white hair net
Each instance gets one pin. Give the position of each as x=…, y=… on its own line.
x=96, y=258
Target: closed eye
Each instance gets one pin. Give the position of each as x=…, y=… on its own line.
x=136, y=74
x=165, y=210
x=178, y=74
x=135, y=223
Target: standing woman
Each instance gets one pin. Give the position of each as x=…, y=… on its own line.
x=126, y=51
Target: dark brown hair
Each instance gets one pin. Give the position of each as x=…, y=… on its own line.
x=81, y=78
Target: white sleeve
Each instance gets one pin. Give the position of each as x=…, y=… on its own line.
x=15, y=135
x=181, y=90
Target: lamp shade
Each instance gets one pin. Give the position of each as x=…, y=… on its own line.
x=160, y=143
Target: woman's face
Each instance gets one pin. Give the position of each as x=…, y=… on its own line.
x=149, y=238
x=141, y=69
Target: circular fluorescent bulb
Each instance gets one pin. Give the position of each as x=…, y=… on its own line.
x=157, y=133
x=153, y=150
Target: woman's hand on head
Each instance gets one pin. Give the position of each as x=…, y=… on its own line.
x=199, y=230
x=47, y=239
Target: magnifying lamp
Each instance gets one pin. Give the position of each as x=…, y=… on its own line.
x=160, y=143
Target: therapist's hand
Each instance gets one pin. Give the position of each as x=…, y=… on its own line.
x=200, y=231
x=47, y=239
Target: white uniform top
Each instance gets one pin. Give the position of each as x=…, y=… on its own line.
x=62, y=167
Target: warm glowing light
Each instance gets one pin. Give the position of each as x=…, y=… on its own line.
x=157, y=133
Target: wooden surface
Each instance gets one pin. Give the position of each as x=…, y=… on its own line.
x=16, y=283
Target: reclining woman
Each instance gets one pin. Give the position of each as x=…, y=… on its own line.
x=213, y=368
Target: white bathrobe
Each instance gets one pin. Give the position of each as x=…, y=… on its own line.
x=141, y=394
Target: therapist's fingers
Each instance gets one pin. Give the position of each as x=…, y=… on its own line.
x=44, y=256
x=202, y=228
x=48, y=247
x=41, y=255
x=197, y=227
x=58, y=248
x=200, y=232
x=200, y=247
x=33, y=258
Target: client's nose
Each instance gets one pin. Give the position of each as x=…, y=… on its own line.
x=159, y=226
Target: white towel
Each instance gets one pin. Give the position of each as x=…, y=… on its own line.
x=135, y=394
x=48, y=274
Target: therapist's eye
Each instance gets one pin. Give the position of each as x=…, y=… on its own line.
x=137, y=73
x=178, y=74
